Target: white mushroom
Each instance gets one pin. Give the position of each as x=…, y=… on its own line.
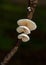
x=28, y=23
x=23, y=29
x=24, y=37
x=29, y=9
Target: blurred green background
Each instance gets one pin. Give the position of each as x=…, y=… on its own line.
x=10, y=12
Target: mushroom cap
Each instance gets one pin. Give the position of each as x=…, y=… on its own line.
x=23, y=29
x=24, y=37
x=28, y=23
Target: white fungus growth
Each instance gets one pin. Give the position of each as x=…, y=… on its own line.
x=29, y=9
x=23, y=37
x=28, y=23
x=23, y=29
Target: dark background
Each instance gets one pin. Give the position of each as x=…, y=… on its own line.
x=32, y=52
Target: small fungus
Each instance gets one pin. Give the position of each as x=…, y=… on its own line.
x=28, y=23
x=23, y=37
x=23, y=29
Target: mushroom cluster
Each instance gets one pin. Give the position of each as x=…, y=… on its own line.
x=25, y=28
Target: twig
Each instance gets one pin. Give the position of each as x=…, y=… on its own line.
x=32, y=5
x=11, y=53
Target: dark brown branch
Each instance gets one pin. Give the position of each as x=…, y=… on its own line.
x=32, y=4
x=11, y=53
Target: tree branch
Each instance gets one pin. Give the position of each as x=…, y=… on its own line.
x=32, y=4
x=31, y=8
